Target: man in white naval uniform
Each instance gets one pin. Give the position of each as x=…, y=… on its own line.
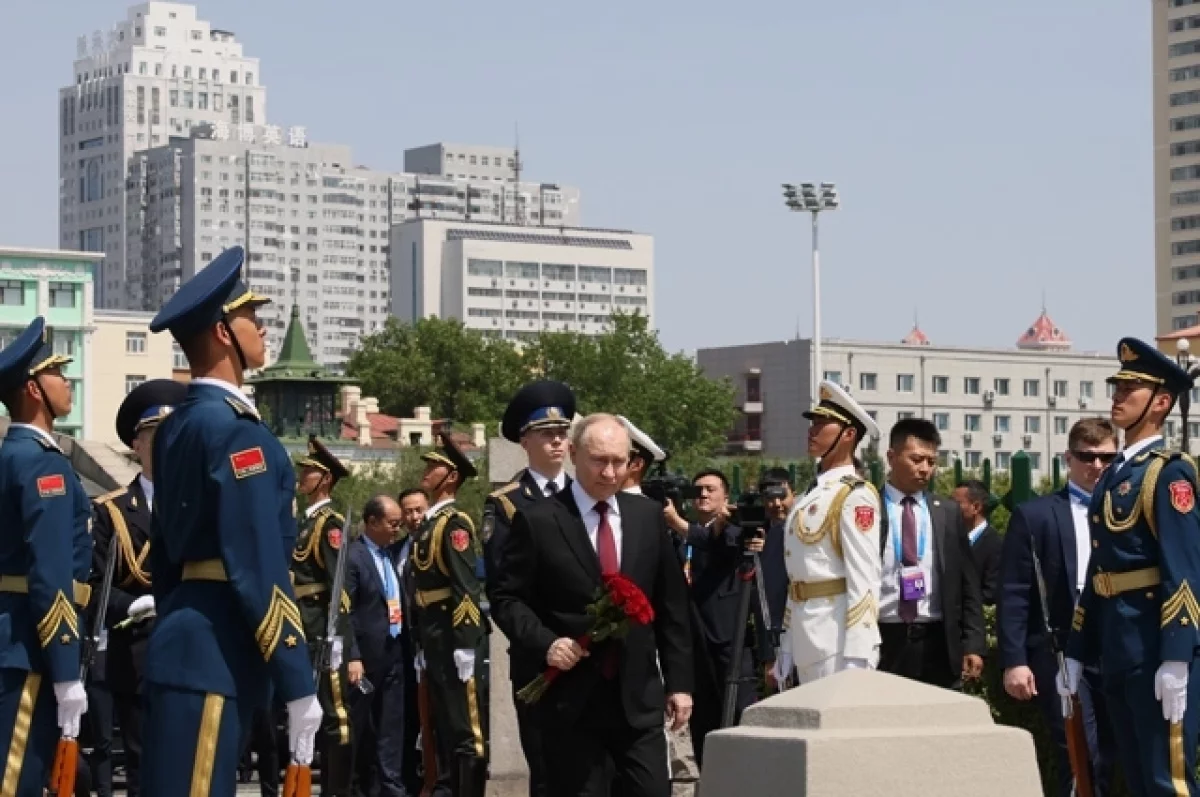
x=831, y=549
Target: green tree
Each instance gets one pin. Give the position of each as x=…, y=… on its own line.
x=627, y=371
x=457, y=372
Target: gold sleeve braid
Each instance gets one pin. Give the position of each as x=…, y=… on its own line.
x=280, y=610
x=61, y=612
x=124, y=542
x=1181, y=605
x=865, y=611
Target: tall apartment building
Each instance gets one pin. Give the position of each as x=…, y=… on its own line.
x=987, y=403
x=154, y=75
x=315, y=226
x=515, y=280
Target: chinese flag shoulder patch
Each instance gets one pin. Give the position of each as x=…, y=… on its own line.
x=1182, y=497
x=51, y=486
x=248, y=463
x=335, y=538
x=864, y=517
x=460, y=539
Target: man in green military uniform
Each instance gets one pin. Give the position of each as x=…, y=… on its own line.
x=314, y=564
x=450, y=625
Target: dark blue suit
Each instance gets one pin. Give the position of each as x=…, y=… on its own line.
x=45, y=551
x=1144, y=521
x=1045, y=525
x=228, y=629
x=381, y=734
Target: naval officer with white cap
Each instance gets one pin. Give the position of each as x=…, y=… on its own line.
x=831, y=549
x=643, y=453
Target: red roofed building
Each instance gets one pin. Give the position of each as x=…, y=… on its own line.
x=1044, y=335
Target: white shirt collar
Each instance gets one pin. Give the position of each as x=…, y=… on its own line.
x=1129, y=452
x=312, y=508
x=834, y=474
x=975, y=532
x=228, y=387
x=42, y=433
x=893, y=494
x=433, y=510
x=588, y=504
x=634, y=490
x=542, y=480
x=147, y=488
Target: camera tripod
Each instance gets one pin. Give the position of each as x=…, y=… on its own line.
x=750, y=574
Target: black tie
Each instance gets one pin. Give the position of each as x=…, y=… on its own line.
x=551, y=488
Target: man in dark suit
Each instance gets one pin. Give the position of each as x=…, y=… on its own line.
x=930, y=615
x=776, y=486
x=122, y=518
x=1055, y=527
x=975, y=503
x=537, y=418
x=376, y=651
x=603, y=718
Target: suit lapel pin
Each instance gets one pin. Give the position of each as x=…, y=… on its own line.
x=132, y=502
x=1123, y=488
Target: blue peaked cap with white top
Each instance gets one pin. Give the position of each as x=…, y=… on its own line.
x=204, y=300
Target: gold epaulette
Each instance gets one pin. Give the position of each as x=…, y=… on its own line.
x=117, y=493
x=508, y=488
x=505, y=502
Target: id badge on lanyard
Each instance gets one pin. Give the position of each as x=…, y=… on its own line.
x=912, y=578
x=395, y=613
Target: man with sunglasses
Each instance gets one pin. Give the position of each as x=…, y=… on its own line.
x=229, y=632
x=1055, y=528
x=1138, y=616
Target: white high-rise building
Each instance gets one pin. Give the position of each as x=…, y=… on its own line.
x=156, y=74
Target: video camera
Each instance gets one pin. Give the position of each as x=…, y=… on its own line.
x=751, y=511
x=664, y=487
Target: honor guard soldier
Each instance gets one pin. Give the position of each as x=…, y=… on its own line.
x=45, y=557
x=228, y=630
x=831, y=550
x=122, y=518
x=450, y=626
x=314, y=564
x=1138, y=616
x=538, y=418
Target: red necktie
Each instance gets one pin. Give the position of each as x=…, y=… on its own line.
x=606, y=544
x=909, y=553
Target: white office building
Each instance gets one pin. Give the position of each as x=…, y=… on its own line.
x=514, y=281
x=986, y=403
x=153, y=75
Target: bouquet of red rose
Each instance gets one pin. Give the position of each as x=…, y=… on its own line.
x=619, y=606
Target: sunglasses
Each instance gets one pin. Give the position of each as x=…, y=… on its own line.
x=1104, y=457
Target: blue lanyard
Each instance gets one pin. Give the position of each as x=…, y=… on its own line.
x=894, y=524
x=1084, y=498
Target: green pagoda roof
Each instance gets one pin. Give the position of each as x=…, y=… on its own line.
x=295, y=362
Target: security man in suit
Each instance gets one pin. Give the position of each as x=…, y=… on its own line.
x=1138, y=615
x=451, y=629
x=832, y=551
x=122, y=517
x=228, y=631
x=314, y=564
x=45, y=556
x=538, y=418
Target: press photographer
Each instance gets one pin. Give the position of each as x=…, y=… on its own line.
x=776, y=486
x=713, y=550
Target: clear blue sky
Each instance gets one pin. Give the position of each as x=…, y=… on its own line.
x=986, y=152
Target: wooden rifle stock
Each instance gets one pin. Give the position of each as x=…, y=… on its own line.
x=62, y=773
x=298, y=781
x=1077, y=749
x=428, y=745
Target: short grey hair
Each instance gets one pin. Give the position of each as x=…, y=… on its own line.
x=580, y=432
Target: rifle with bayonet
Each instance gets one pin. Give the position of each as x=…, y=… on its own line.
x=66, y=754
x=1077, y=745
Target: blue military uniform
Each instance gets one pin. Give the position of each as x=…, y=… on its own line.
x=45, y=557
x=1138, y=608
x=228, y=631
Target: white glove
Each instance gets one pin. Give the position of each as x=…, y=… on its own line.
x=72, y=703
x=419, y=661
x=464, y=660
x=855, y=664
x=783, y=667
x=1170, y=687
x=335, y=655
x=1065, y=689
x=142, y=607
x=304, y=719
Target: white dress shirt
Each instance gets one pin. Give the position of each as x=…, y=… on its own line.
x=1083, y=538
x=975, y=533
x=228, y=387
x=560, y=481
x=433, y=510
x=382, y=561
x=312, y=508
x=591, y=518
x=148, y=489
x=929, y=608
